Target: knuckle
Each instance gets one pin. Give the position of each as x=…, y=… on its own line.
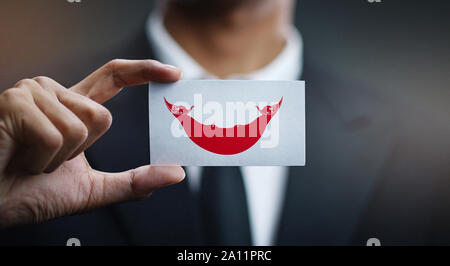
x=12, y=101
x=14, y=95
x=53, y=140
x=115, y=62
x=26, y=83
x=151, y=61
x=135, y=188
x=75, y=132
x=112, y=67
x=43, y=80
x=99, y=117
x=151, y=64
x=48, y=85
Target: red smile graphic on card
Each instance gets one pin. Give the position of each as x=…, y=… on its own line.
x=224, y=141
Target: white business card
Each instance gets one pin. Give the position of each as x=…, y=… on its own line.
x=227, y=123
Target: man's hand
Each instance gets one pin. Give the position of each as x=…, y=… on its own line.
x=44, y=130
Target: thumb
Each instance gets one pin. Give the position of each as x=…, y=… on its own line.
x=136, y=184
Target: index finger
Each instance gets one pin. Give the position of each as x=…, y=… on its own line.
x=108, y=80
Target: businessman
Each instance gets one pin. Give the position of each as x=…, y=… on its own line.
x=368, y=174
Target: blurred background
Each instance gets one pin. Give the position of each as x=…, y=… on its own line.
x=401, y=48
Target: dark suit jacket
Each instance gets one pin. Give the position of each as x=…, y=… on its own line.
x=372, y=171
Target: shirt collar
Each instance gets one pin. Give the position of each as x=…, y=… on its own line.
x=288, y=65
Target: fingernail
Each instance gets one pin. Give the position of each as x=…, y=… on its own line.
x=170, y=175
x=179, y=172
x=148, y=179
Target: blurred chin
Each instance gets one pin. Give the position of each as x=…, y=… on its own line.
x=210, y=7
x=209, y=2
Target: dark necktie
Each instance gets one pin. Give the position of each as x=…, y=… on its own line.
x=223, y=207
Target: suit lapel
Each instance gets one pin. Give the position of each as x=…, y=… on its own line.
x=326, y=199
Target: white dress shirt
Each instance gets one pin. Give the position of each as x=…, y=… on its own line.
x=264, y=186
